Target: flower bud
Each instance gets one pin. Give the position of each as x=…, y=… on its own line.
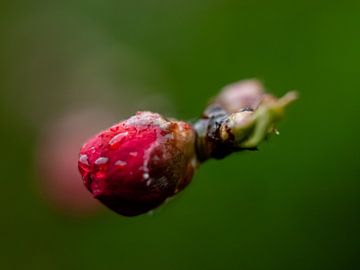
x=244, y=95
x=239, y=118
x=137, y=164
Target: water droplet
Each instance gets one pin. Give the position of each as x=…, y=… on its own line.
x=134, y=154
x=120, y=163
x=84, y=159
x=146, y=176
x=101, y=160
x=118, y=138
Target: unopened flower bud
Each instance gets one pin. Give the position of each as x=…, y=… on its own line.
x=137, y=164
x=245, y=95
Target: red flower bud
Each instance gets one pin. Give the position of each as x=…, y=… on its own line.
x=135, y=165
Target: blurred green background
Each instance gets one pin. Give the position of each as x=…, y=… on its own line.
x=292, y=205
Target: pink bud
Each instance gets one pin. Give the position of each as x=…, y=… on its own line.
x=135, y=165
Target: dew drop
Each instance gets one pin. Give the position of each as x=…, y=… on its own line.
x=118, y=138
x=120, y=163
x=84, y=159
x=146, y=176
x=134, y=154
x=101, y=160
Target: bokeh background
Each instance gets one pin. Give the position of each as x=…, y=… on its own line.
x=70, y=68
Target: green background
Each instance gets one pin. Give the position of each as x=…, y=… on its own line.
x=292, y=205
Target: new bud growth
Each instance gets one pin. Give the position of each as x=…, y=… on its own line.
x=137, y=164
x=239, y=118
